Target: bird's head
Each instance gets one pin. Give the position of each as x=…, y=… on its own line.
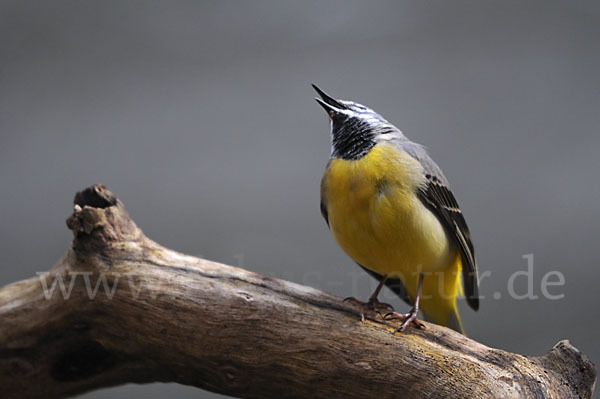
x=355, y=129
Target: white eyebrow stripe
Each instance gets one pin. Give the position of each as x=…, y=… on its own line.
x=359, y=111
x=367, y=115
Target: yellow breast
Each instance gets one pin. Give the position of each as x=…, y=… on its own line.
x=376, y=216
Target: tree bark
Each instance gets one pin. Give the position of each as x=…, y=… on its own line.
x=177, y=318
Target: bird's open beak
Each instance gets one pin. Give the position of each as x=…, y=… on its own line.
x=330, y=104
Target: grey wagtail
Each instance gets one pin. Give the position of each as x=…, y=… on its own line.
x=390, y=208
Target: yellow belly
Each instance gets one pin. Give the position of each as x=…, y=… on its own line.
x=377, y=219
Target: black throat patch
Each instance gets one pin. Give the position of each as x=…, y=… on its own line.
x=351, y=138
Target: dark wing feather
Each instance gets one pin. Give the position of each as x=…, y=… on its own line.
x=323, y=199
x=439, y=199
x=324, y=212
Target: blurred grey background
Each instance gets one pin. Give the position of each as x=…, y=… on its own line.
x=200, y=117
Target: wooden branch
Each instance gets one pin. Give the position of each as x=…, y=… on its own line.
x=176, y=318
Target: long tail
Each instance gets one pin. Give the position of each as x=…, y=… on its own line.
x=438, y=301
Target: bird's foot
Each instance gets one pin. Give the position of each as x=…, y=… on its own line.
x=373, y=305
x=408, y=318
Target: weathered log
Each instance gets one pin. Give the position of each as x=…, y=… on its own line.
x=177, y=318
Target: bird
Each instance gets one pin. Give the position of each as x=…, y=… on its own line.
x=390, y=208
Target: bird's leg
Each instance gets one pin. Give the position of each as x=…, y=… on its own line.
x=373, y=303
x=410, y=317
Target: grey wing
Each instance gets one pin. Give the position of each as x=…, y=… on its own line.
x=438, y=197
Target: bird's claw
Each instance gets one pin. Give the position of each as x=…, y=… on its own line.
x=408, y=318
x=372, y=305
